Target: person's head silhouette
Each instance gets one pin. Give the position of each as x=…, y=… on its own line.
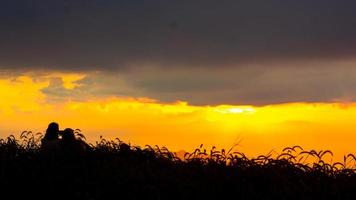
x=68, y=135
x=52, y=131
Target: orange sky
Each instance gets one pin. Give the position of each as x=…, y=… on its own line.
x=178, y=125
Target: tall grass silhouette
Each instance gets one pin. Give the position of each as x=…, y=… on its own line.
x=116, y=170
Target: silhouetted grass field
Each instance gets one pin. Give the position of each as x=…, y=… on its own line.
x=115, y=170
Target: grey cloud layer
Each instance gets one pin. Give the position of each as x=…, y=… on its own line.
x=203, y=52
x=93, y=34
x=252, y=85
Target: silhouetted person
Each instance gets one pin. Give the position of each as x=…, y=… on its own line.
x=50, y=142
x=70, y=144
x=51, y=132
x=68, y=136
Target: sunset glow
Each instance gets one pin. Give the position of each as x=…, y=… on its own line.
x=178, y=99
x=179, y=125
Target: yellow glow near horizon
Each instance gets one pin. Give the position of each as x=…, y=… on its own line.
x=179, y=125
x=234, y=110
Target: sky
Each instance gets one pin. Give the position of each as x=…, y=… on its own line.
x=266, y=74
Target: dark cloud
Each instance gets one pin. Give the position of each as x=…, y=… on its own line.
x=310, y=82
x=203, y=52
x=253, y=85
x=103, y=35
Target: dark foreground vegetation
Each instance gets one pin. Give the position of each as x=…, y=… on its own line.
x=115, y=170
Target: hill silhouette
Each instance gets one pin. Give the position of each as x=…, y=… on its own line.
x=116, y=170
